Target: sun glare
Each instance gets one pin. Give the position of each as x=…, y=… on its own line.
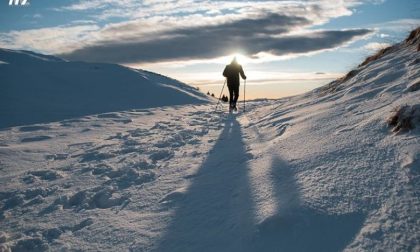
x=242, y=59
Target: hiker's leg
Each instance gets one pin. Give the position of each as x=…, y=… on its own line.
x=236, y=94
x=231, y=99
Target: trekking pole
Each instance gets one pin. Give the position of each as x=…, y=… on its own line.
x=220, y=96
x=244, y=94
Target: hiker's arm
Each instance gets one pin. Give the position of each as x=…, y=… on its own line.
x=242, y=74
x=225, y=72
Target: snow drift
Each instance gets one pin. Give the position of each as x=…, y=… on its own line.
x=36, y=88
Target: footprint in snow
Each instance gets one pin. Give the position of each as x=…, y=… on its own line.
x=58, y=156
x=174, y=196
x=35, y=139
x=128, y=176
x=164, y=154
x=45, y=175
x=33, y=128
x=109, y=115
x=95, y=156
x=99, y=197
x=123, y=120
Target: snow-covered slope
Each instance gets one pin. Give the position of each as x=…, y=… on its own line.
x=36, y=88
x=349, y=181
x=322, y=171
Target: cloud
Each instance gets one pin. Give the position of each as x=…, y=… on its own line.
x=375, y=46
x=51, y=40
x=270, y=33
x=377, y=2
x=93, y=4
x=399, y=25
x=173, y=30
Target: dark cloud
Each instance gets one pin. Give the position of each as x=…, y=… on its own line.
x=250, y=36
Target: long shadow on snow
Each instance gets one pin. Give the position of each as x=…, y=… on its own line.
x=216, y=212
x=299, y=228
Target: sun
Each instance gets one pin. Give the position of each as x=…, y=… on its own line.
x=242, y=59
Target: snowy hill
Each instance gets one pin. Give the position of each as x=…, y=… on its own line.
x=336, y=169
x=37, y=88
x=350, y=179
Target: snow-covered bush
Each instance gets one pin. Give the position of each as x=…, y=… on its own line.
x=377, y=55
x=404, y=118
x=414, y=37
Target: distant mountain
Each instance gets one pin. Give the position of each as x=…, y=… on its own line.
x=36, y=88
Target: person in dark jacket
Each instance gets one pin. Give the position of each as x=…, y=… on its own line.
x=232, y=72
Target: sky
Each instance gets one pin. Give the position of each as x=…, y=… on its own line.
x=285, y=47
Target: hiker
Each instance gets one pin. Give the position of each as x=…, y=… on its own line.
x=232, y=72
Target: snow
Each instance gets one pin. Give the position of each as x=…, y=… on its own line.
x=321, y=171
x=38, y=89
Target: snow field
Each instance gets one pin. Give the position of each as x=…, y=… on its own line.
x=89, y=171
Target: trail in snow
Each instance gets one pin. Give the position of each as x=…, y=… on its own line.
x=217, y=201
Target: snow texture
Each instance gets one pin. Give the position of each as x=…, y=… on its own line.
x=323, y=171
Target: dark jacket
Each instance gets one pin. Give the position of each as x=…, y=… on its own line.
x=232, y=72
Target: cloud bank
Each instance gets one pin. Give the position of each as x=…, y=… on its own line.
x=249, y=36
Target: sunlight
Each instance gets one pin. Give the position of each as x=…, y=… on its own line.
x=242, y=59
x=261, y=57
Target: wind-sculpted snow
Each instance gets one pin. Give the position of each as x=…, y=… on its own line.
x=36, y=88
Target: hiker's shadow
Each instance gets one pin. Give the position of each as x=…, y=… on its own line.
x=217, y=212
x=298, y=228
x=217, y=206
